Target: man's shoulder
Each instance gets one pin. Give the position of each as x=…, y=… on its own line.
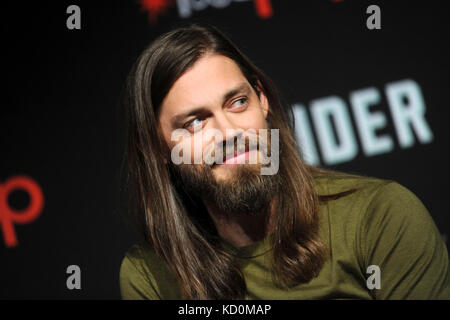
x=145, y=259
x=138, y=254
x=365, y=186
x=372, y=199
x=140, y=251
x=142, y=268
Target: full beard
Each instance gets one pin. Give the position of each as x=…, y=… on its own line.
x=245, y=191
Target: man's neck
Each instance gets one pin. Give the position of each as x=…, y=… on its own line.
x=242, y=229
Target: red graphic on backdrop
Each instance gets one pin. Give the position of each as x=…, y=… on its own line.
x=263, y=8
x=186, y=7
x=155, y=8
x=9, y=216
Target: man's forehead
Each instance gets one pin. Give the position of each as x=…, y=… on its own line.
x=208, y=80
x=241, y=87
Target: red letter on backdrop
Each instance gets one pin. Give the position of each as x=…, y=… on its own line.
x=263, y=8
x=9, y=216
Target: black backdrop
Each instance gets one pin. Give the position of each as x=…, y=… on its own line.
x=61, y=125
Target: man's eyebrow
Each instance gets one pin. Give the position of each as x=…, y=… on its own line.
x=234, y=91
x=242, y=87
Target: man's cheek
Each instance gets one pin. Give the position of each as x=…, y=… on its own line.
x=187, y=148
x=181, y=152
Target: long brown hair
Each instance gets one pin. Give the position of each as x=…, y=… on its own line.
x=168, y=222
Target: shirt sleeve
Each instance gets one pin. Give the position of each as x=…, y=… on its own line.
x=400, y=237
x=134, y=284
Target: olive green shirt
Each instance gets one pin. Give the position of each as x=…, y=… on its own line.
x=383, y=224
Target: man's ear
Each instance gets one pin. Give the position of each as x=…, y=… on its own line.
x=262, y=98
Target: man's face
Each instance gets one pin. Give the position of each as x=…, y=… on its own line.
x=196, y=103
x=215, y=96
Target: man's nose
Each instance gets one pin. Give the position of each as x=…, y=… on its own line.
x=226, y=126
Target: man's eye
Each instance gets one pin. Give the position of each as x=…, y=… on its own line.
x=193, y=123
x=242, y=102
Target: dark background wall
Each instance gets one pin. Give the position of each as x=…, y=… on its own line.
x=61, y=125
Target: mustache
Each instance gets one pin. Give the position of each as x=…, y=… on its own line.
x=234, y=146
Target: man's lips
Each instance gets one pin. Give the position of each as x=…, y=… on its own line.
x=240, y=158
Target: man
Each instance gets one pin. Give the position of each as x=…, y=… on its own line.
x=216, y=229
